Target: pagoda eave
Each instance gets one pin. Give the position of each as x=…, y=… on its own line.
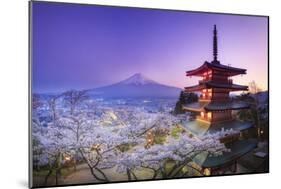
x=230, y=71
x=237, y=150
x=222, y=106
x=195, y=107
x=200, y=128
x=194, y=88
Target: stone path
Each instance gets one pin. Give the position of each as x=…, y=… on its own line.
x=83, y=175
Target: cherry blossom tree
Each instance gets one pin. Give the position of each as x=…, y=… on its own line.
x=182, y=151
x=105, y=137
x=73, y=98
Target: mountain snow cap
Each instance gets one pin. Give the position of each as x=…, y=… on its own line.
x=138, y=79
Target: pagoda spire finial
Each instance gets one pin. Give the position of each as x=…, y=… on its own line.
x=215, y=46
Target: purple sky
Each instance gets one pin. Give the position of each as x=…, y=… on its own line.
x=82, y=46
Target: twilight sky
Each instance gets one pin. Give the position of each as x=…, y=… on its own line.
x=82, y=46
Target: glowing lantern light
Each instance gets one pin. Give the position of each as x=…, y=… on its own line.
x=67, y=157
x=207, y=172
x=202, y=114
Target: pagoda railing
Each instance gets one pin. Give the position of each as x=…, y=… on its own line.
x=228, y=81
x=214, y=98
x=203, y=118
x=205, y=98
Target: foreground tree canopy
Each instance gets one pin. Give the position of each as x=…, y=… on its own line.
x=78, y=129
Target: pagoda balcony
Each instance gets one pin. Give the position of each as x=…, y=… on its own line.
x=204, y=119
x=213, y=84
x=228, y=81
x=213, y=98
x=205, y=98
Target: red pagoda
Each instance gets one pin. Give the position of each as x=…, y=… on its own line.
x=215, y=112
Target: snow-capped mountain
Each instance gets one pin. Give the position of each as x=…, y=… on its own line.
x=137, y=85
x=137, y=79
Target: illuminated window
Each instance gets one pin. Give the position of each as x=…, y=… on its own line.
x=207, y=171
x=209, y=114
x=202, y=114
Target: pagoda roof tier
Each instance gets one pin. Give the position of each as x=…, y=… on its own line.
x=237, y=149
x=196, y=106
x=212, y=84
x=228, y=70
x=215, y=106
x=200, y=128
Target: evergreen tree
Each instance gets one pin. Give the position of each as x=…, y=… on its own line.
x=184, y=98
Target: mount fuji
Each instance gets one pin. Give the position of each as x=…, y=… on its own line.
x=136, y=86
